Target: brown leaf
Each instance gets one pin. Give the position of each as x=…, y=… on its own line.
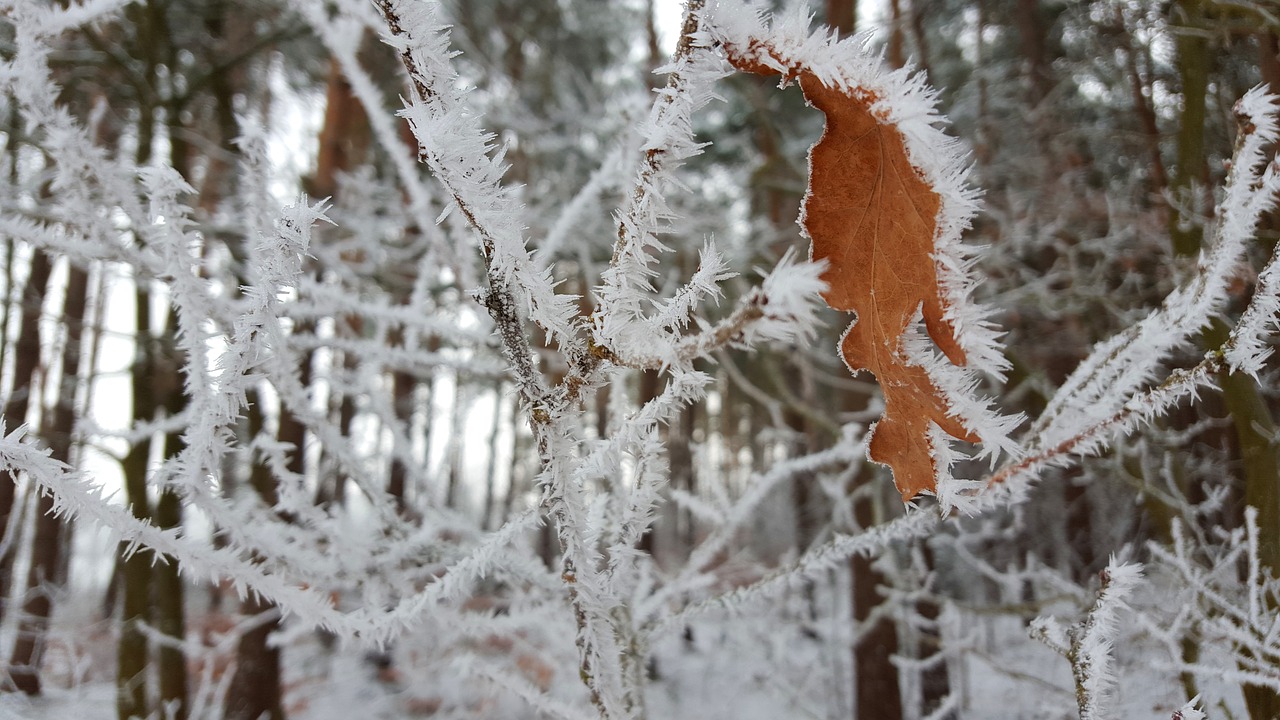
x=873, y=217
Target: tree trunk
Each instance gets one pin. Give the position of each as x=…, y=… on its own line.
x=456, y=447
x=170, y=616
x=337, y=481
x=1034, y=50
x=843, y=16
x=46, y=548
x=255, y=693
x=26, y=360
x=402, y=391
x=1193, y=71
x=918, y=35
x=135, y=578
x=682, y=476
x=1250, y=415
x=132, y=660
x=342, y=146
x=167, y=588
x=934, y=678
x=1255, y=429
x=1269, y=59
x=255, y=690
x=514, y=483
x=28, y=650
x=649, y=387
x=345, y=137
x=488, y=521
x=896, y=55
x=12, y=127
x=878, y=695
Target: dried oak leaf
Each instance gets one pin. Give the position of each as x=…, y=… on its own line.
x=873, y=218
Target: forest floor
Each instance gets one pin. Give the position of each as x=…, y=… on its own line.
x=742, y=669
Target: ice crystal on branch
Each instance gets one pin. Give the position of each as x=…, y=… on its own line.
x=314, y=353
x=1119, y=366
x=1088, y=645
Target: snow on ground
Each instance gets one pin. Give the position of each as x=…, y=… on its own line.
x=785, y=662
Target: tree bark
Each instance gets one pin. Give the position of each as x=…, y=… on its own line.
x=1269, y=59
x=649, y=387
x=489, y=520
x=135, y=586
x=46, y=548
x=135, y=580
x=878, y=694
x=1255, y=429
x=1193, y=72
x=843, y=16
x=167, y=588
x=26, y=360
x=345, y=137
x=12, y=126
x=255, y=691
x=682, y=475
x=935, y=680
x=918, y=35
x=170, y=613
x=169, y=616
x=402, y=387
x=897, y=53
x=1250, y=415
x=1034, y=49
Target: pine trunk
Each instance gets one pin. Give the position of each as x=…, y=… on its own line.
x=135, y=580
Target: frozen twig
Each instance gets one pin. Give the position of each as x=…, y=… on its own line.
x=1088, y=644
x=1112, y=374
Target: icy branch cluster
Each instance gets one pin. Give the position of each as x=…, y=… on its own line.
x=1225, y=602
x=1118, y=368
x=262, y=320
x=1089, y=644
x=1117, y=388
x=631, y=327
x=299, y=289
